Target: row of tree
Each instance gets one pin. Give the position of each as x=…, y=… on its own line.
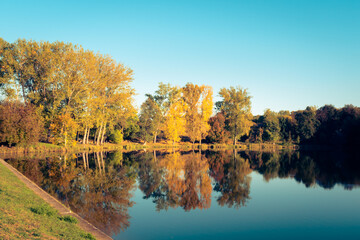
x=61, y=93
x=71, y=90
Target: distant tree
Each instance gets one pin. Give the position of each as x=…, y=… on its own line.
x=287, y=126
x=236, y=106
x=271, y=126
x=19, y=123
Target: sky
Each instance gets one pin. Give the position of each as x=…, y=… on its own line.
x=288, y=54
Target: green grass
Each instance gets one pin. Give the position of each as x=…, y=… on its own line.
x=24, y=215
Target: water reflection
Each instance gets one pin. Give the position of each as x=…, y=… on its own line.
x=99, y=186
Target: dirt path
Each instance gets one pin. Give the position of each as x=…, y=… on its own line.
x=88, y=227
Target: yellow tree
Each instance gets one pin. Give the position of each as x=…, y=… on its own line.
x=63, y=130
x=113, y=94
x=174, y=125
x=199, y=109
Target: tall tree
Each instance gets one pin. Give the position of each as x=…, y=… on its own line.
x=174, y=125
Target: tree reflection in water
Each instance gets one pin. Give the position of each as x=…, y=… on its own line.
x=231, y=174
x=173, y=179
x=99, y=186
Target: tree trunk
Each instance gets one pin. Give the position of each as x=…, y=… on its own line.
x=85, y=133
x=87, y=136
x=103, y=134
x=155, y=138
x=98, y=138
x=95, y=135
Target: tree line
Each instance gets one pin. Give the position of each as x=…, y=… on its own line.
x=60, y=93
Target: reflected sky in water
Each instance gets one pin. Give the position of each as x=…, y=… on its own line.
x=208, y=195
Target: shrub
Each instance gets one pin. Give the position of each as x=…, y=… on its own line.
x=69, y=219
x=117, y=136
x=88, y=236
x=44, y=210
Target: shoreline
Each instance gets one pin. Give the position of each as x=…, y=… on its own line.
x=130, y=146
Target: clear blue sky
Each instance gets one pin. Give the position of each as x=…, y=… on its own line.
x=288, y=54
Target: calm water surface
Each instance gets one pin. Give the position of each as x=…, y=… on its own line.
x=206, y=195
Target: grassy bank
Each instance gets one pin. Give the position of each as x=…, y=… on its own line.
x=24, y=215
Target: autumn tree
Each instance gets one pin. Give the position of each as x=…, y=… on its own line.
x=198, y=100
x=174, y=125
x=236, y=106
x=217, y=132
x=19, y=124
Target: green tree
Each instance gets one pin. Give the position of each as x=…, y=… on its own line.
x=236, y=106
x=150, y=120
x=271, y=126
x=307, y=123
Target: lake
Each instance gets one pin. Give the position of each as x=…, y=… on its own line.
x=206, y=195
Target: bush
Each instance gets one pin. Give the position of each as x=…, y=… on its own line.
x=69, y=219
x=117, y=136
x=88, y=236
x=44, y=210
